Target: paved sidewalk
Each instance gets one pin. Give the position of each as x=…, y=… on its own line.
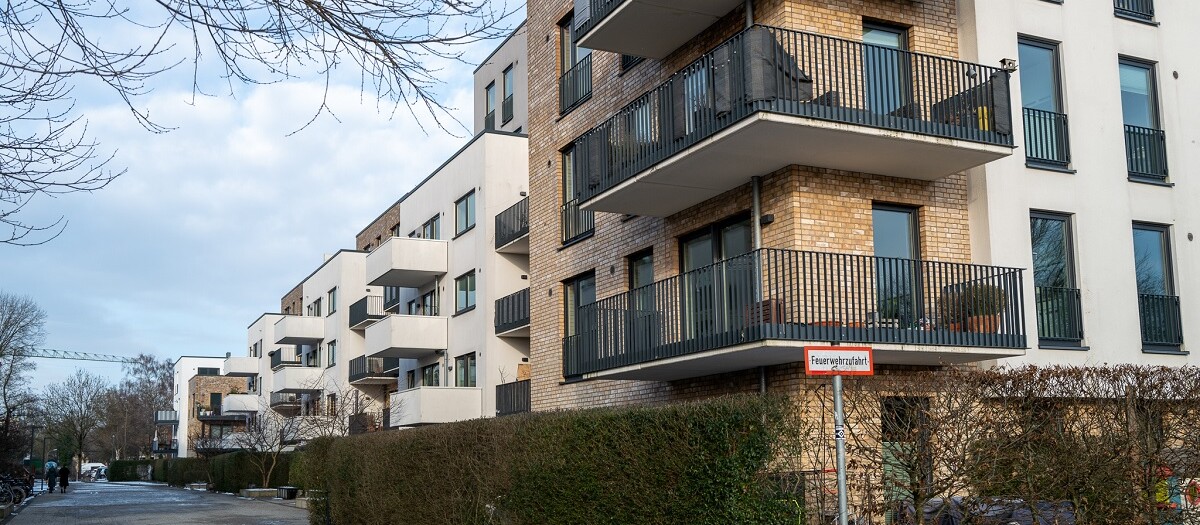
x=152, y=504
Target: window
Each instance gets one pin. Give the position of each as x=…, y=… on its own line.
x=1139, y=103
x=709, y=299
x=410, y=379
x=395, y=230
x=576, y=223
x=579, y=292
x=907, y=458
x=314, y=308
x=391, y=297
x=887, y=84
x=489, y=117
x=1158, y=307
x=313, y=358
x=1142, y=10
x=629, y=61
x=641, y=269
x=464, y=213
x=331, y=353
x=1045, y=124
x=256, y=349
x=206, y=371
x=894, y=231
x=426, y=304
x=331, y=405
x=464, y=292
x=575, y=65
x=507, y=110
x=1059, y=309
x=332, y=299
x=214, y=402
x=464, y=370
x=431, y=375
x=431, y=229
x=252, y=384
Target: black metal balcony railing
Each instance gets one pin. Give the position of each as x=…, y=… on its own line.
x=1161, y=322
x=364, y=367
x=166, y=417
x=513, y=223
x=427, y=310
x=1146, y=152
x=391, y=297
x=285, y=399
x=1046, y=138
x=800, y=296
x=1140, y=9
x=489, y=120
x=1059, y=315
x=629, y=61
x=166, y=448
x=365, y=310
x=597, y=11
x=278, y=361
x=576, y=222
x=798, y=74
x=506, y=110
x=512, y=398
x=575, y=85
x=512, y=311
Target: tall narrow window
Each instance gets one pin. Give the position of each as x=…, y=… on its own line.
x=507, y=105
x=1157, y=304
x=331, y=297
x=464, y=288
x=575, y=63
x=431, y=375
x=575, y=222
x=464, y=213
x=431, y=229
x=489, y=117
x=888, y=83
x=410, y=379
x=710, y=289
x=1046, y=139
x=1145, y=142
x=896, y=251
x=1059, y=309
x=579, y=324
x=464, y=370
x=331, y=353
x=642, y=332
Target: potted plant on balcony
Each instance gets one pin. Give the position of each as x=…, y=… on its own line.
x=974, y=306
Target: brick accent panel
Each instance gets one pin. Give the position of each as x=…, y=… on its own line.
x=379, y=230
x=814, y=209
x=293, y=302
x=201, y=387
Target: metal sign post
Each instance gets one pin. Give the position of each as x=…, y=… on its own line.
x=837, y=361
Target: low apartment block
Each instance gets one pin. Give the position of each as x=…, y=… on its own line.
x=196, y=380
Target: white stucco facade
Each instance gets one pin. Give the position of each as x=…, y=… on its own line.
x=1095, y=189
x=186, y=368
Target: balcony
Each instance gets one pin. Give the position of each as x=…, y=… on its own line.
x=166, y=417
x=366, y=311
x=762, y=308
x=285, y=402
x=506, y=110
x=512, y=228
x=240, y=366
x=512, y=398
x=429, y=405
x=298, y=379
x=1142, y=10
x=1161, y=322
x=241, y=403
x=801, y=99
x=512, y=315
x=407, y=336
x=170, y=447
x=1146, y=153
x=299, y=329
x=407, y=262
x=278, y=360
x=1047, y=141
x=577, y=223
x=374, y=370
x=645, y=28
x=575, y=85
x=215, y=414
x=1059, y=316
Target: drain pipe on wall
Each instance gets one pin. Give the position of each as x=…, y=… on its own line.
x=756, y=227
x=749, y=13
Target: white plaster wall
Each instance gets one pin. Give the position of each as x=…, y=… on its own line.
x=1103, y=202
x=185, y=370
x=511, y=52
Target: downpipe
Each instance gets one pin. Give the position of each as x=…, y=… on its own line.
x=756, y=226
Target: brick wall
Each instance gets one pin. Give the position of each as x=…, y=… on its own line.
x=201, y=387
x=379, y=230
x=814, y=209
x=293, y=302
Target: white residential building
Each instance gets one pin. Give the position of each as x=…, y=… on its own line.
x=180, y=418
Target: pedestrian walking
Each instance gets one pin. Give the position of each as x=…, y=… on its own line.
x=51, y=476
x=64, y=473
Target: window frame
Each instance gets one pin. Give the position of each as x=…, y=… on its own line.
x=472, y=294
x=470, y=362
x=469, y=201
x=433, y=371
x=331, y=353
x=1164, y=230
x=489, y=95
x=1068, y=242
x=331, y=296
x=1152, y=90
x=1056, y=64
x=572, y=303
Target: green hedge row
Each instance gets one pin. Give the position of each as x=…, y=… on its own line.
x=126, y=470
x=236, y=471
x=228, y=472
x=690, y=463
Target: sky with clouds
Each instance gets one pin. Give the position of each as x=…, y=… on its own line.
x=216, y=220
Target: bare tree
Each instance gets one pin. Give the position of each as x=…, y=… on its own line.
x=268, y=434
x=54, y=46
x=22, y=324
x=76, y=408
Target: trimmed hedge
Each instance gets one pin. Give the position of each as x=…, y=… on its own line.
x=690, y=463
x=235, y=471
x=126, y=470
x=181, y=471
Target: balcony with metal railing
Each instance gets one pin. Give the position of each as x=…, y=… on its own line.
x=636, y=27
x=278, y=360
x=1161, y=322
x=168, y=447
x=575, y=85
x=768, y=98
x=576, y=223
x=761, y=308
x=1146, y=153
x=166, y=417
x=407, y=262
x=285, y=402
x=512, y=228
x=512, y=398
x=1047, y=141
x=366, y=311
x=374, y=370
x=489, y=121
x=1059, y=316
x=512, y=315
x=1142, y=10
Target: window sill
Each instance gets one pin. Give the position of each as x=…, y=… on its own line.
x=464, y=232
x=1152, y=182
x=1051, y=346
x=464, y=310
x=1035, y=165
x=567, y=111
x=1138, y=19
x=577, y=240
x=1163, y=350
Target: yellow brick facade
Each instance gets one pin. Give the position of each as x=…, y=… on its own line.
x=814, y=209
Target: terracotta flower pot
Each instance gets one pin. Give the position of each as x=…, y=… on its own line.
x=984, y=324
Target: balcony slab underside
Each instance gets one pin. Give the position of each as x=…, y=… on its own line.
x=407, y=336
x=765, y=142
x=654, y=28
x=518, y=332
x=520, y=245
x=297, y=379
x=777, y=352
x=406, y=262
x=298, y=330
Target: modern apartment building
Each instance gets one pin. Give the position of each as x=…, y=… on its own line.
x=181, y=423
x=502, y=87
x=1098, y=201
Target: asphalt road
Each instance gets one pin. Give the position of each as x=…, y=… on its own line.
x=151, y=504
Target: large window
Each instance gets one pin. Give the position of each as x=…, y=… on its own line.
x=431, y=375
x=464, y=213
x=1139, y=102
x=431, y=229
x=575, y=65
x=894, y=232
x=1045, y=125
x=1059, y=310
x=886, y=68
x=578, y=292
x=507, y=110
x=410, y=379
x=331, y=353
x=489, y=119
x=331, y=297
x=464, y=370
x=710, y=289
x=464, y=292
x=575, y=222
x=1158, y=306
x=426, y=304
